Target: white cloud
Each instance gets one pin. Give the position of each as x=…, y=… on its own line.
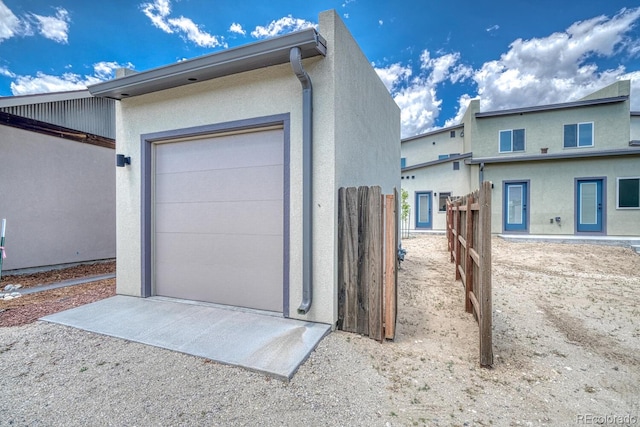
x=380, y=22
x=237, y=29
x=493, y=28
x=283, y=25
x=10, y=25
x=558, y=68
x=55, y=28
x=159, y=12
x=43, y=83
x=4, y=71
x=393, y=75
x=417, y=97
x=346, y=16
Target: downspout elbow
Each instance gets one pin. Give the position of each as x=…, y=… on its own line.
x=295, y=57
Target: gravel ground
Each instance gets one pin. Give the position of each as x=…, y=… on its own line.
x=566, y=346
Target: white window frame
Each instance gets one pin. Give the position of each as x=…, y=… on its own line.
x=524, y=148
x=618, y=192
x=577, y=125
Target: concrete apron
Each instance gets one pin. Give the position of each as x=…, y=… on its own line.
x=252, y=340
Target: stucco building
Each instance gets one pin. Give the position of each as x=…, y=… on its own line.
x=562, y=169
x=236, y=159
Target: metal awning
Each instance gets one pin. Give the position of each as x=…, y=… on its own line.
x=249, y=57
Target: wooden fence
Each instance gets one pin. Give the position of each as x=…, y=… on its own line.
x=469, y=240
x=367, y=261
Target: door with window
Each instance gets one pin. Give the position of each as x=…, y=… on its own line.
x=515, y=206
x=423, y=209
x=589, y=205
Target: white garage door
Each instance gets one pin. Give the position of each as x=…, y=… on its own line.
x=218, y=219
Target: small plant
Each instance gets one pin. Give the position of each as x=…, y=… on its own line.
x=84, y=368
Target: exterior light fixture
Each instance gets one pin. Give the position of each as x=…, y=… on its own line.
x=121, y=160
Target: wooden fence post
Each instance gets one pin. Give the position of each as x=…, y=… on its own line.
x=348, y=259
x=486, y=320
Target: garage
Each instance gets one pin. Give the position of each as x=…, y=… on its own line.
x=218, y=218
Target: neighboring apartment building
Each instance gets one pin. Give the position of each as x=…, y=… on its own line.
x=565, y=169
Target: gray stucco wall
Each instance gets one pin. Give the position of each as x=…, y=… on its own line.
x=58, y=197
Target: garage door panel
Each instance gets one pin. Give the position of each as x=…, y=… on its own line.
x=219, y=220
x=260, y=183
x=248, y=217
x=236, y=151
x=251, y=278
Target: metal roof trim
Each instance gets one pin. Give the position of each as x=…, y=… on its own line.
x=437, y=162
x=564, y=105
x=433, y=132
x=41, y=98
x=558, y=156
x=265, y=53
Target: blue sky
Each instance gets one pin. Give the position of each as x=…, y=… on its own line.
x=433, y=56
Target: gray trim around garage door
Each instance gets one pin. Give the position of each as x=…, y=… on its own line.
x=147, y=141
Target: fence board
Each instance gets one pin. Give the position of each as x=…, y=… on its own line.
x=348, y=259
x=486, y=321
x=390, y=274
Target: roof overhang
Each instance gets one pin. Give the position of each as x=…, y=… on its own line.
x=437, y=162
x=540, y=108
x=40, y=98
x=249, y=57
x=559, y=156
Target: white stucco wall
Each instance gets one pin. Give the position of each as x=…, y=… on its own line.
x=552, y=193
x=440, y=178
x=265, y=92
x=429, y=146
x=58, y=197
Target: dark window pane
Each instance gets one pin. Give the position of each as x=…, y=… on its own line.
x=518, y=140
x=505, y=141
x=452, y=134
x=442, y=201
x=403, y=162
x=585, y=134
x=570, y=136
x=629, y=193
x=456, y=166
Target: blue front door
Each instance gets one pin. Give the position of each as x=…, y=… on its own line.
x=589, y=206
x=515, y=206
x=423, y=209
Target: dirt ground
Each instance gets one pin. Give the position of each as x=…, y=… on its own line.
x=566, y=337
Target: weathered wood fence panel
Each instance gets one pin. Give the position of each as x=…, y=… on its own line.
x=469, y=242
x=365, y=294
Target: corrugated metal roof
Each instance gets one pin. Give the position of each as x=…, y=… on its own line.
x=74, y=110
x=232, y=61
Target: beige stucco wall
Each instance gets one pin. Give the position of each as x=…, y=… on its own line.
x=438, y=179
x=546, y=130
x=635, y=128
x=552, y=193
x=58, y=197
x=264, y=92
x=428, y=147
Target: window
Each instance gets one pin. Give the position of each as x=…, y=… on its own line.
x=443, y=156
x=511, y=140
x=452, y=134
x=403, y=162
x=578, y=135
x=629, y=193
x=442, y=201
x=456, y=166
